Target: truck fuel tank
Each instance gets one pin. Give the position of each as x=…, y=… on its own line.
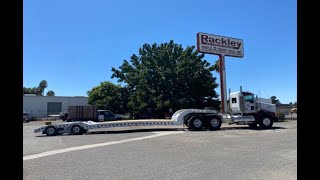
x=243, y=118
x=227, y=118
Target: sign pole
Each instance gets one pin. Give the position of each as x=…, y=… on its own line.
x=223, y=84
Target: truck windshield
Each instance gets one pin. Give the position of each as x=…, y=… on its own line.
x=249, y=98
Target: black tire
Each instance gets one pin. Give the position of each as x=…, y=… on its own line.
x=51, y=131
x=195, y=123
x=214, y=123
x=77, y=130
x=265, y=122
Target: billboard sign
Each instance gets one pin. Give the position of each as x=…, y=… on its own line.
x=220, y=45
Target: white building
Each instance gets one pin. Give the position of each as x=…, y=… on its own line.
x=43, y=106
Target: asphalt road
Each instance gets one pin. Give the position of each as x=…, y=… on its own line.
x=234, y=152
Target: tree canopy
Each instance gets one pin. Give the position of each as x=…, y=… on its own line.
x=34, y=90
x=39, y=91
x=50, y=93
x=274, y=100
x=109, y=96
x=167, y=76
x=42, y=85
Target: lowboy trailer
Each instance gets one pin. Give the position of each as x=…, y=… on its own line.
x=245, y=110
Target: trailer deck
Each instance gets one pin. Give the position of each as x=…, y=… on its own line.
x=127, y=123
x=87, y=125
x=80, y=127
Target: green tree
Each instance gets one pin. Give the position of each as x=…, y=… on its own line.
x=26, y=90
x=274, y=100
x=216, y=66
x=109, y=96
x=42, y=85
x=34, y=90
x=167, y=76
x=50, y=93
x=39, y=91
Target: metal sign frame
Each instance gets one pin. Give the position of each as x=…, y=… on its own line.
x=222, y=46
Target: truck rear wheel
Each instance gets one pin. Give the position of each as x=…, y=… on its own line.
x=215, y=123
x=265, y=122
x=195, y=123
x=77, y=130
x=51, y=131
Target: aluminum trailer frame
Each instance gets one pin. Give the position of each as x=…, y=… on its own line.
x=80, y=127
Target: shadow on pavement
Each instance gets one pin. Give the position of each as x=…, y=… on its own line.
x=134, y=131
x=249, y=128
x=178, y=129
x=120, y=131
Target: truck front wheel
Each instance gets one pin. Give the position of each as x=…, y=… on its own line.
x=266, y=122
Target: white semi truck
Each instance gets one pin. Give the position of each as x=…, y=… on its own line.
x=244, y=109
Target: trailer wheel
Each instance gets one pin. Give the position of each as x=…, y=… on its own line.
x=195, y=123
x=266, y=122
x=51, y=131
x=76, y=130
x=215, y=123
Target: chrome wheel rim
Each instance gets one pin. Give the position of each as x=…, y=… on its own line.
x=266, y=121
x=76, y=129
x=214, y=122
x=50, y=130
x=197, y=123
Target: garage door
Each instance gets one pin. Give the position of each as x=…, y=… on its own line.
x=54, y=108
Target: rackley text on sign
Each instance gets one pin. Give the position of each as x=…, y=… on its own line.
x=213, y=44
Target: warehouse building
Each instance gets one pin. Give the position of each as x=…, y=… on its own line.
x=44, y=106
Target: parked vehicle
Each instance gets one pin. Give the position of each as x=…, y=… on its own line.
x=89, y=113
x=26, y=117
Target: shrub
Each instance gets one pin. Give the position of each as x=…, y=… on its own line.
x=280, y=115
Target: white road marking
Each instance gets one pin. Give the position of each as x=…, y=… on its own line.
x=77, y=148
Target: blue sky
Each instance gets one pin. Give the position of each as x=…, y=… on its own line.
x=74, y=44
